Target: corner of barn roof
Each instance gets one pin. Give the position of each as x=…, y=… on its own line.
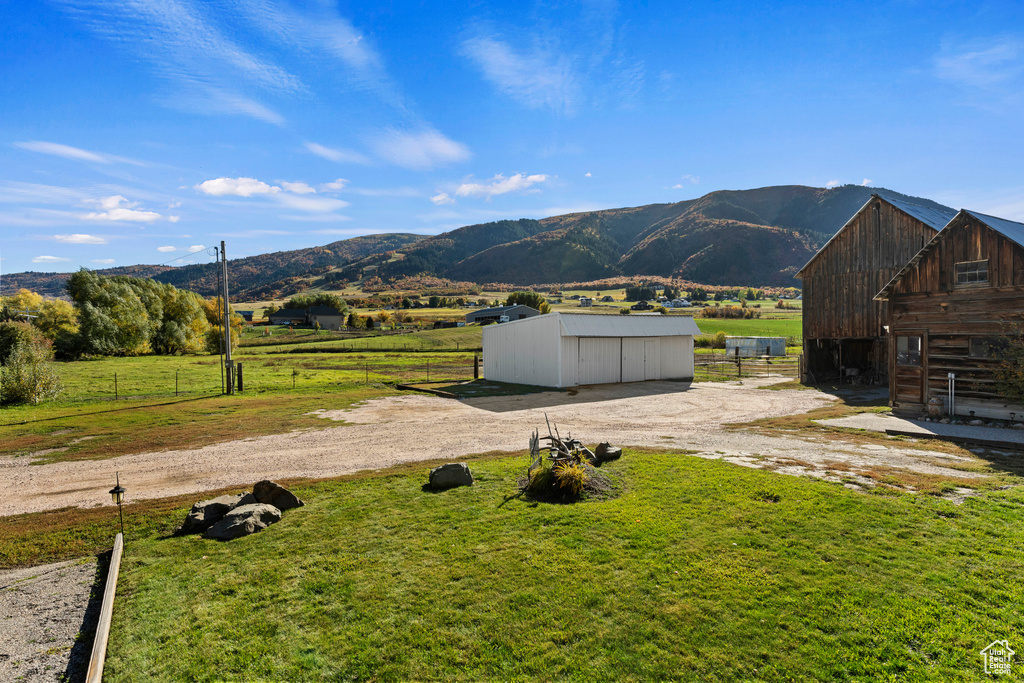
x=1011, y=230
x=933, y=218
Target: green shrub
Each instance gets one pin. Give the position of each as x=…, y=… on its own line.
x=28, y=375
x=571, y=477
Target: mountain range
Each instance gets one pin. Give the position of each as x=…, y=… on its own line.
x=757, y=238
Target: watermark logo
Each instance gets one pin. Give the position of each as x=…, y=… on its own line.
x=998, y=657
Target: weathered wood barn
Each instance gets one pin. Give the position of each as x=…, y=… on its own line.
x=948, y=307
x=842, y=322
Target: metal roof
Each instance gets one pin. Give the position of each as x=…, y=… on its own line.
x=497, y=310
x=1011, y=230
x=598, y=325
x=933, y=218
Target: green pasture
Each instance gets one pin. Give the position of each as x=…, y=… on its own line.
x=701, y=570
x=467, y=338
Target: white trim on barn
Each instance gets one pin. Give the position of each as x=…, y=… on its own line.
x=570, y=349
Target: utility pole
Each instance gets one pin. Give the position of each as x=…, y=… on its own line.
x=229, y=375
x=220, y=315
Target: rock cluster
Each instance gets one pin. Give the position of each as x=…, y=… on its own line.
x=234, y=516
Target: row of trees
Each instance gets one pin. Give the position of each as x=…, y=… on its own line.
x=122, y=316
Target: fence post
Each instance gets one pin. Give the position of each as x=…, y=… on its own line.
x=175, y=384
x=115, y=386
x=476, y=366
x=239, y=369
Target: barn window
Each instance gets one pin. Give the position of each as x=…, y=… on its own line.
x=986, y=347
x=972, y=272
x=908, y=350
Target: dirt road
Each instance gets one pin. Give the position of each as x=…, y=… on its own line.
x=388, y=431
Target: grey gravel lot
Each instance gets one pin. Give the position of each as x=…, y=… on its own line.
x=42, y=612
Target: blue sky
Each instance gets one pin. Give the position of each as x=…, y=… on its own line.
x=146, y=131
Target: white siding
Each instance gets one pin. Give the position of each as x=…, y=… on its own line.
x=570, y=348
x=523, y=352
x=599, y=360
x=540, y=351
x=676, y=357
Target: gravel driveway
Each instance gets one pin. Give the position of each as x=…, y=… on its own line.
x=388, y=431
x=42, y=610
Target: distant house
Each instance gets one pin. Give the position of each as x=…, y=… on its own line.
x=641, y=306
x=330, y=318
x=288, y=316
x=496, y=313
x=842, y=324
x=586, y=301
x=949, y=307
x=608, y=298
x=246, y=315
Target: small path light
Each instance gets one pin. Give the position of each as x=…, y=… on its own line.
x=117, y=495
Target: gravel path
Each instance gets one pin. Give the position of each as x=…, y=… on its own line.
x=388, y=431
x=42, y=610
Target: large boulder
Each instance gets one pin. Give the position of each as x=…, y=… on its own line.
x=450, y=475
x=206, y=513
x=272, y=493
x=244, y=520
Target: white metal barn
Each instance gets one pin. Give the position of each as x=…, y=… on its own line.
x=570, y=349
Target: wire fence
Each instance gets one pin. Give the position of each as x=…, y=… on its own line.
x=721, y=365
x=269, y=374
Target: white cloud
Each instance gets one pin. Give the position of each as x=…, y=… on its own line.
x=833, y=183
x=297, y=187
x=208, y=68
x=866, y=182
x=118, y=208
x=687, y=180
x=587, y=175
x=196, y=247
x=342, y=156
x=499, y=184
x=334, y=186
x=50, y=259
x=311, y=204
x=174, y=219
x=538, y=79
x=983, y=63
x=238, y=187
x=74, y=153
x=419, y=151
x=166, y=250
x=442, y=198
x=103, y=261
x=80, y=239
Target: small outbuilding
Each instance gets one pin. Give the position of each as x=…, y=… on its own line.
x=501, y=314
x=572, y=349
x=746, y=347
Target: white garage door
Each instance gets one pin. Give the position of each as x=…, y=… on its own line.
x=640, y=359
x=598, y=360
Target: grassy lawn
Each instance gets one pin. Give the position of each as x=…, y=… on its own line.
x=790, y=326
x=699, y=571
x=280, y=392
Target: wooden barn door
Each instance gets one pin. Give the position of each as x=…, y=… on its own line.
x=911, y=363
